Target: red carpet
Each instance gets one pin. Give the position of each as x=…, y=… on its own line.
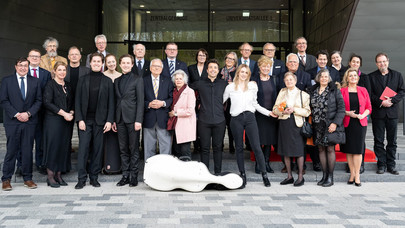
x=340, y=156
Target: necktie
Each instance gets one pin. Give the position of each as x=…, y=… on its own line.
x=171, y=68
x=53, y=61
x=35, y=73
x=245, y=62
x=302, y=59
x=139, y=66
x=22, y=88
x=155, y=87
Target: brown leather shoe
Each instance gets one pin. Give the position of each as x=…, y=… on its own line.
x=30, y=184
x=7, y=185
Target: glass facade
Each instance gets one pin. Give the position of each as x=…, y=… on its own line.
x=218, y=26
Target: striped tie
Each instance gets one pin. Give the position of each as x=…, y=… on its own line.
x=171, y=68
x=155, y=87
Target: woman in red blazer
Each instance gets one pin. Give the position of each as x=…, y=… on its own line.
x=358, y=107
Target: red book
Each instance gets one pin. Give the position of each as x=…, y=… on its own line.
x=388, y=92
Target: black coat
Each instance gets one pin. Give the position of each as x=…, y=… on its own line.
x=145, y=69
x=194, y=75
x=55, y=99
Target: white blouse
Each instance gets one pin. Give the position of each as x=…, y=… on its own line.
x=242, y=101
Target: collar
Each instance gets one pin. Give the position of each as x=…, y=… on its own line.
x=153, y=78
x=174, y=60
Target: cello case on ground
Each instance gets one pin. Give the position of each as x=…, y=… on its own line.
x=166, y=172
x=111, y=157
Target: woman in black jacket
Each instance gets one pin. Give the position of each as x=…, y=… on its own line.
x=328, y=111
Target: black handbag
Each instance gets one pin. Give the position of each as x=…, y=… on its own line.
x=336, y=137
x=306, y=129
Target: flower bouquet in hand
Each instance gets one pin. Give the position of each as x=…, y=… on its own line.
x=282, y=106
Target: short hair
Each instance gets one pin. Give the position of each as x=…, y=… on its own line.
x=48, y=40
x=154, y=60
x=318, y=75
x=123, y=56
x=101, y=36
x=322, y=52
x=59, y=63
x=171, y=43
x=353, y=55
x=74, y=47
x=289, y=55
x=246, y=43
x=21, y=59
x=36, y=50
x=264, y=60
x=235, y=57
x=381, y=54
x=97, y=54
x=213, y=61
x=345, y=81
x=181, y=72
x=203, y=51
x=336, y=52
x=288, y=73
x=269, y=44
x=299, y=38
x=133, y=46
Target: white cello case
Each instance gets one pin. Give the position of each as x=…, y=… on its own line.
x=165, y=173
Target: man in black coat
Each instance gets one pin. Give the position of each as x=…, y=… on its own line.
x=322, y=61
x=141, y=65
x=385, y=112
x=21, y=99
x=94, y=111
x=171, y=63
x=129, y=107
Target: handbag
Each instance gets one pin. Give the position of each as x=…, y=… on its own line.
x=306, y=129
x=336, y=137
x=171, y=123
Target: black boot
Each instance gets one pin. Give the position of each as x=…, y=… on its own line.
x=266, y=181
x=257, y=170
x=324, y=177
x=329, y=181
x=268, y=168
x=243, y=175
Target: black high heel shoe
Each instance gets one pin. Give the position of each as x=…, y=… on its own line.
x=357, y=184
x=53, y=185
x=266, y=181
x=61, y=182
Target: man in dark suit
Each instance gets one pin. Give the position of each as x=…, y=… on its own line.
x=101, y=44
x=94, y=111
x=21, y=99
x=129, y=109
x=385, y=112
x=74, y=71
x=246, y=50
x=171, y=63
x=307, y=61
x=278, y=67
x=141, y=65
x=322, y=61
x=158, y=91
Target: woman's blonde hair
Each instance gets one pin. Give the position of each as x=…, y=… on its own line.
x=345, y=81
x=236, y=80
x=264, y=60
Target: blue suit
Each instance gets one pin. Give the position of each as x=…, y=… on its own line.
x=179, y=65
x=20, y=135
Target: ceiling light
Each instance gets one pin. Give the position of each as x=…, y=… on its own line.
x=179, y=13
x=148, y=11
x=245, y=13
x=142, y=6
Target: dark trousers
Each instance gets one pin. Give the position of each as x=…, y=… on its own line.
x=181, y=150
x=246, y=121
x=386, y=157
x=93, y=133
x=216, y=133
x=128, y=140
x=39, y=153
x=20, y=140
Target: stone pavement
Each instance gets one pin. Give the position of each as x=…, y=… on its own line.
x=342, y=205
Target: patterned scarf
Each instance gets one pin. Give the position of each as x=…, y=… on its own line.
x=226, y=73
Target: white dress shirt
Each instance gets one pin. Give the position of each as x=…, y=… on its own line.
x=32, y=71
x=25, y=83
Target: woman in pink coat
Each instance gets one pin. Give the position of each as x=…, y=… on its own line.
x=182, y=116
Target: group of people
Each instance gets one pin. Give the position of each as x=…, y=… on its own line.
x=175, y=104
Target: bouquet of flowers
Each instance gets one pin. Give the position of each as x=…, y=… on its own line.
x=282, y=106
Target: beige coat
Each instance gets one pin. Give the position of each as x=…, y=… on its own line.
x=299, y=111
x=46, y=62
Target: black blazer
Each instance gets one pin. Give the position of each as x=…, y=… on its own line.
x=194, y=75
x=179, y=65
x=105, y=106
x=165, y=93
x=55, y=99
x=130, y=102
x=394, y=82
x=144, y=71
x=303, y=80
x=334, y=74
x=44, y=76
x=309, y=64
x=82, y=71
x=12, y=102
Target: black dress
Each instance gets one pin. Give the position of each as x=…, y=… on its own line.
x=56, y=130
x=355, y=133
x=267, y=125
x=290, y=141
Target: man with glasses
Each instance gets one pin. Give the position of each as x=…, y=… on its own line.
x=171, y=63
x=385, y=112
x=101, y=45
x=246, y=50
x=21, y=99
x=278, y=67
x=307, y=61
x=51, y=57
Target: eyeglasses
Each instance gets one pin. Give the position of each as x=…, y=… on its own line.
x=384, y=61
x=98, y=43
x=157, y=66
x=272, y=50
x=52, y=45
x=34, y=56
x=202, y=56
x=227, y=58
x=22, y=65
x=171, y=49
x=246, y=50
x=74, y=54
x=302, y=43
